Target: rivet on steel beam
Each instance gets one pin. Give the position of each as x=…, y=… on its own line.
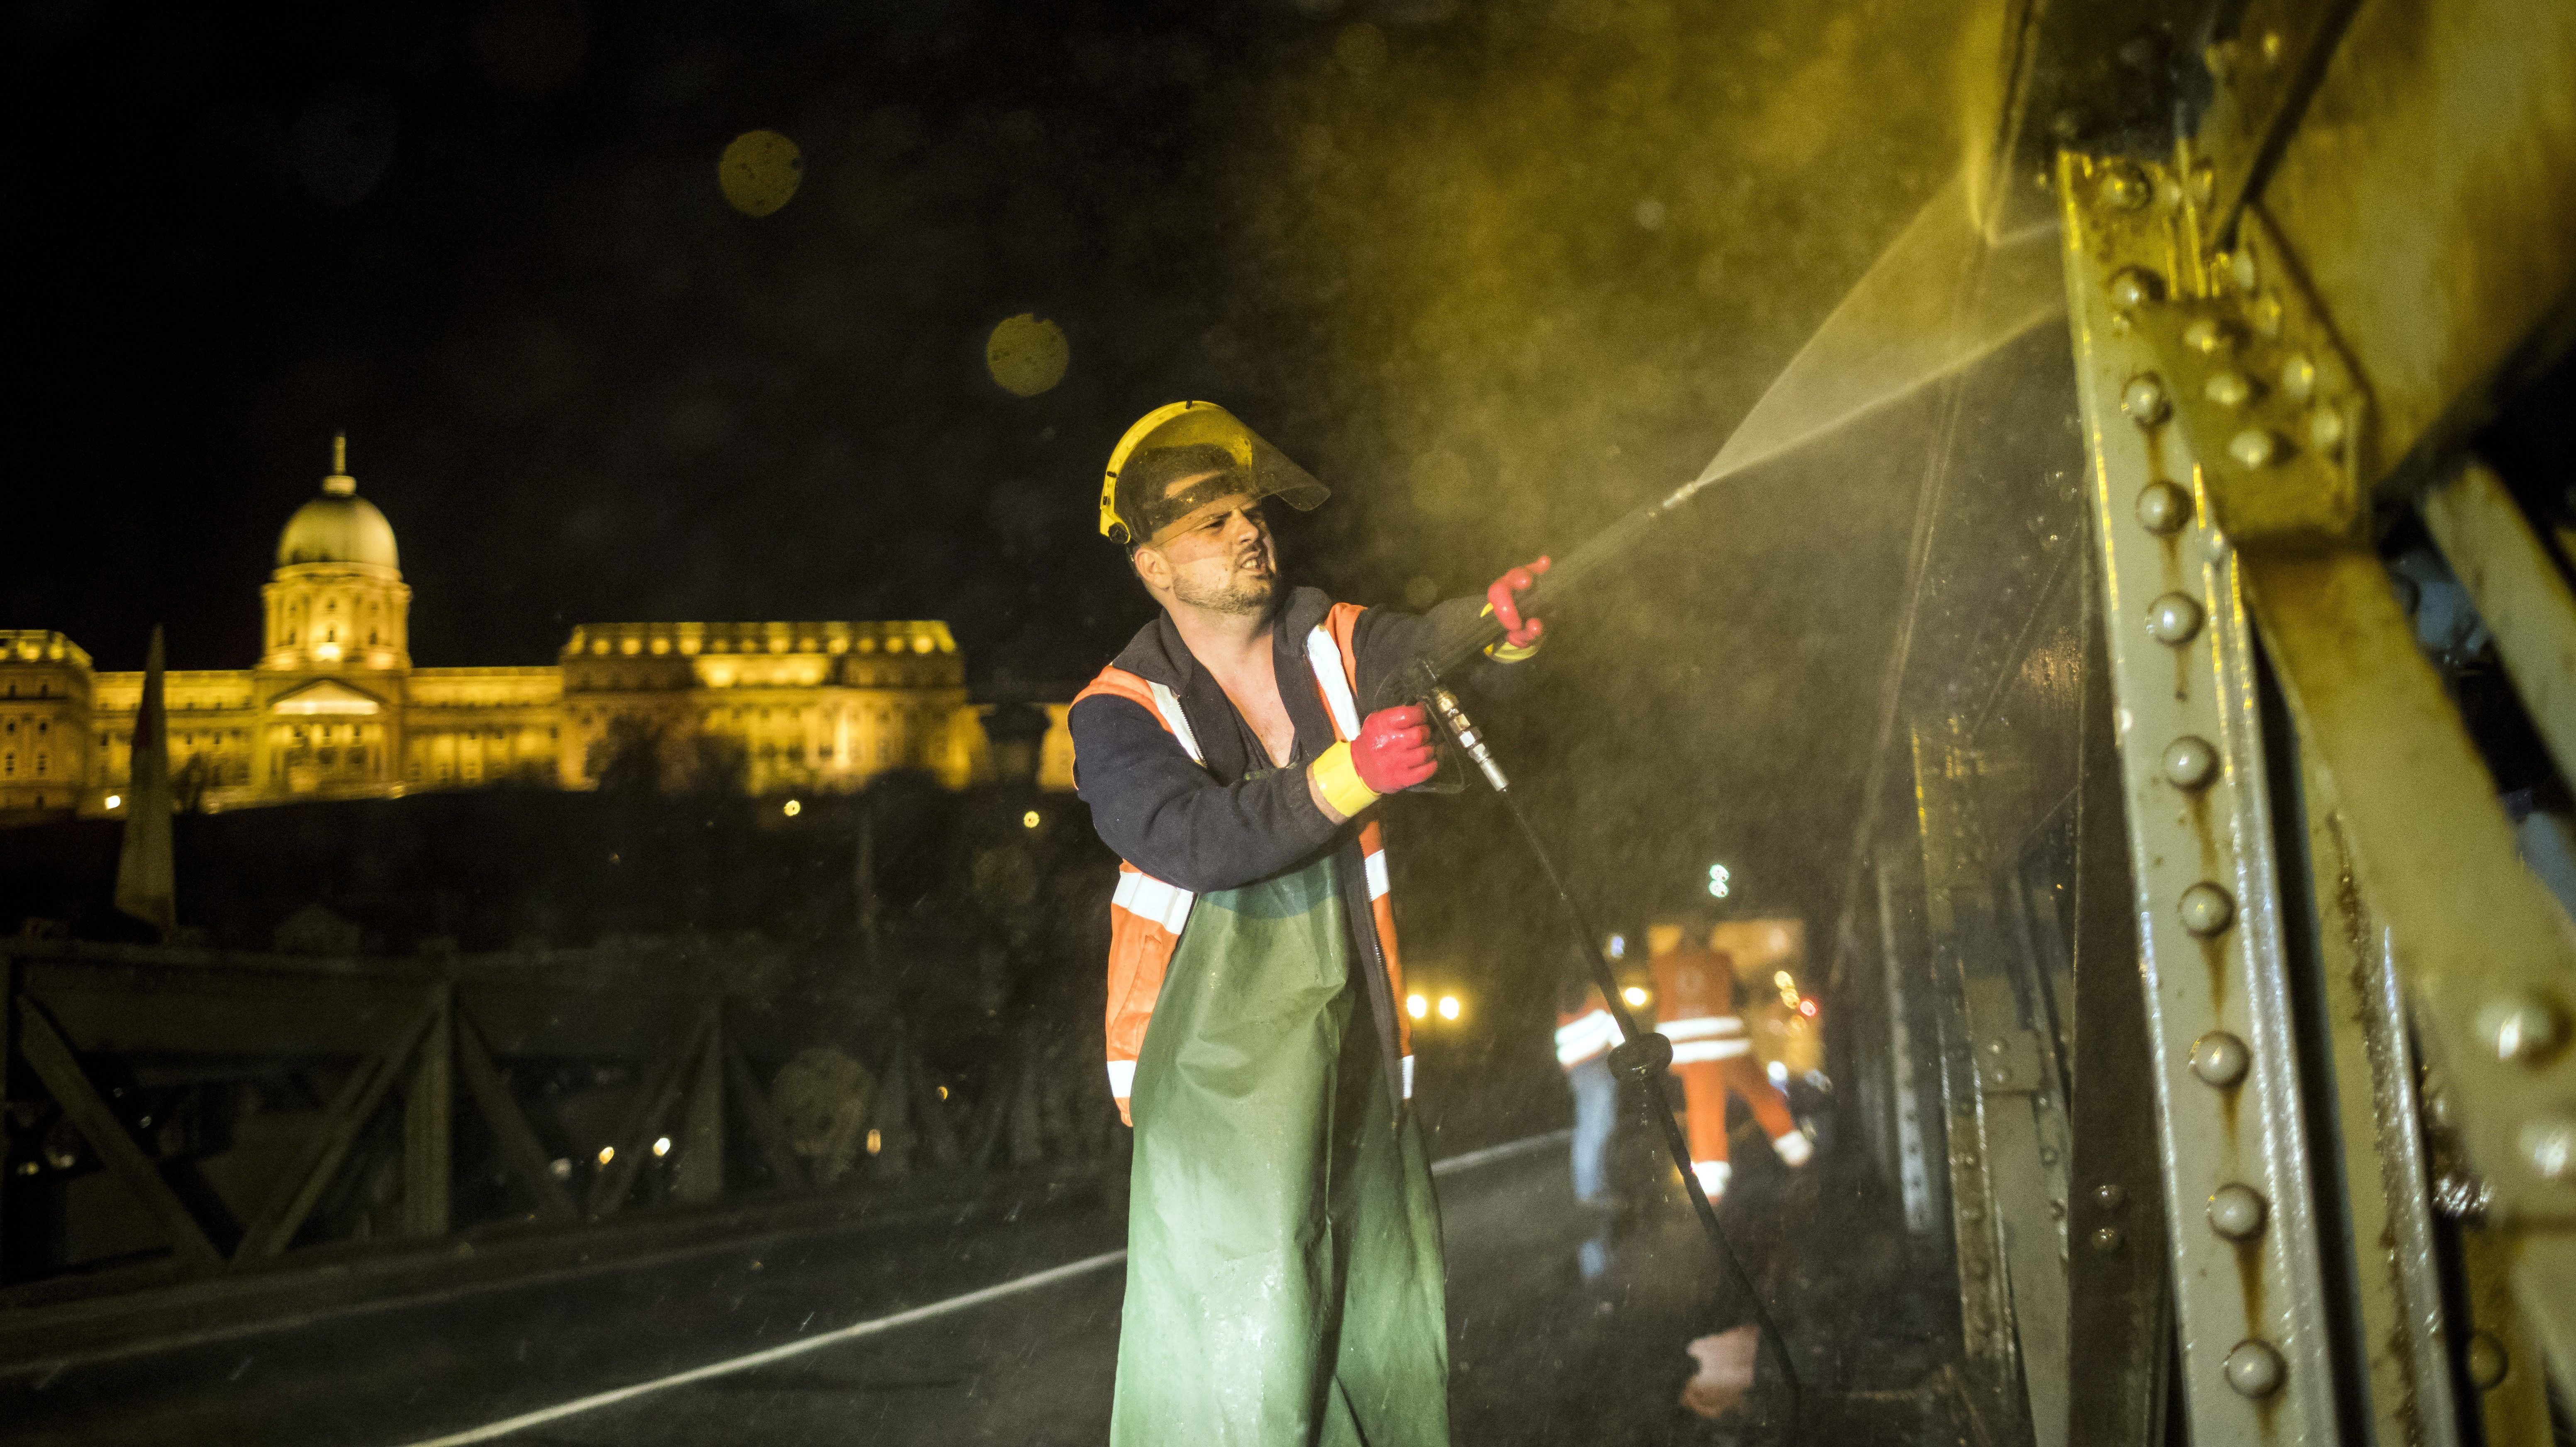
x=2208, y=336
x=2298, y=376
x=2487, y=1361
x=1971, y=1211
x=2254, y=1369
x=2132, y=287
x=2236, y=1211
x=2549, y=1146
x=2190, y=763
x=2110, y=1196
x=2254, y=447
x=2173, y=619
x=2206, y=909
x=2228, y=389
x=2219, y=1059
x=2108, y=1239
x=2048, y=1155
x=2523, y=1027
x=2124, y=185
x=2144, y=399
x=2325, y=428
x=2163, y=507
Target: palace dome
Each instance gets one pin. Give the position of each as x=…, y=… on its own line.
x=338, y=527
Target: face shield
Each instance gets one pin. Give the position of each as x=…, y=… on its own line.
x=1182, y=456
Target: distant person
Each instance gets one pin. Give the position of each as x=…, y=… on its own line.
x=1284, y=1280
x=1711, y=1053
x=1584, y=1034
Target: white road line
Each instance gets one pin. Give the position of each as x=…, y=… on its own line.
x=1472, y=1159
x=524, y=1420
x=1033, y=1280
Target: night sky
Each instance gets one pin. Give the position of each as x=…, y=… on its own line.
x=1494, y=272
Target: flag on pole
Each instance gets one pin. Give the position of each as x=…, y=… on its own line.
x=146, y=884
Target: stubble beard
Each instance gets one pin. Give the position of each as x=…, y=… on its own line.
x=1242, y=592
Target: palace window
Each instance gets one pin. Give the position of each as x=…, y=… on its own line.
x=41, y=760
x=8, y=765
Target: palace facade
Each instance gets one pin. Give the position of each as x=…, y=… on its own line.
x=335, y=709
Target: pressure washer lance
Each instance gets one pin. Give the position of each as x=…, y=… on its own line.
x=1641, y=1055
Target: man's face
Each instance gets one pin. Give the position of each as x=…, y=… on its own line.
x=1219, y=556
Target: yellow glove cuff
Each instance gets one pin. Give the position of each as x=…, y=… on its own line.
x=1338, y=779
x=1507, y=652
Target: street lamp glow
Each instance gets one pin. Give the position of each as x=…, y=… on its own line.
x=661, y=1145
x=793, y=807
x=1635, y=995
x=1783, y=980
x=1719, y=881
x=1416, y=1006
x=1029, y=820
x=1448, y=1007
x=115, y=800
x=607, y=1154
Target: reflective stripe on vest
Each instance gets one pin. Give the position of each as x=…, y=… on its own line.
x=1147, y=915
x=1588, y=1036
x=1706, y=1037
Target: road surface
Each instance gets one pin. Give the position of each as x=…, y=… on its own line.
x=1006, y=1333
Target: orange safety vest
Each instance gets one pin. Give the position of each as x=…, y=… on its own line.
x=1696, y=1003
x=1146, y=915
x=1585, y=1034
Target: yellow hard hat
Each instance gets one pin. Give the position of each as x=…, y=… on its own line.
x=1183, y=439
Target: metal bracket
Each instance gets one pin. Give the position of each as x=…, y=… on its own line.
x=2273, y=408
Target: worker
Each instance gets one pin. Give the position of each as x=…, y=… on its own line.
x=1711, y=1053
x=1284, y=1278
x=1584, y=1034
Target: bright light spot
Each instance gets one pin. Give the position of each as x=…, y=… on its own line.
x=1779, y=1073
x=1784, y=980
x=1635, y=995
x=876, y=1141
x=1448, y=1007
x=607, y=1154
x=943, y=1092
x=1807, y=1008
x=661, y=1145
x=326, y=652
x=792, y=808
x=1618, y=949
x=1719, y=881
x=1026, y=355
x=1416, y=1006
x=560, y=1168
x=759, y=172
x=1029, y=820
x=115, y=801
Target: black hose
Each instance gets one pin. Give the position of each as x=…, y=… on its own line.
x=1642, y=1054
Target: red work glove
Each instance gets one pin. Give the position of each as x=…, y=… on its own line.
x=1393, y=751
x=1520, y=635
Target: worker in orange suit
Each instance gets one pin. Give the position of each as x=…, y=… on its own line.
x=1696, y=1010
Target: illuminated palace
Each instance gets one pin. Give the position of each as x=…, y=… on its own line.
x=335, y=709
